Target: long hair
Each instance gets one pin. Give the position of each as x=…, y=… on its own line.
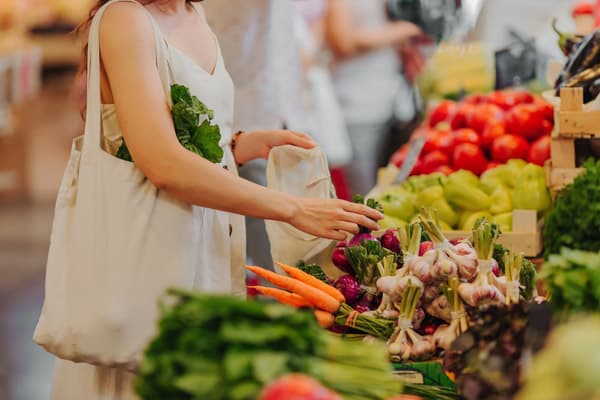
x=82, y=32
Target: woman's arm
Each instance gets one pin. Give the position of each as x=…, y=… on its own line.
x=129, y=58
x=347, y=40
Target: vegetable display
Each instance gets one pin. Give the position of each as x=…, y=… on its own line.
x=480, y=131
x=574, y=219
x=193, y=126
x=461, y=198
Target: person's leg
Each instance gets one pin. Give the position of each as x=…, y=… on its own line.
x=258, y=249
x=367, y=141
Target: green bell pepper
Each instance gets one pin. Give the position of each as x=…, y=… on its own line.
x=505, y=175
x=399, y=206
x=463, y=192
x=418, y=183
x=388, y=222
x=501, y=200
x=433, y=199
x=468, y=223
x=504, y=221
x=530, y=191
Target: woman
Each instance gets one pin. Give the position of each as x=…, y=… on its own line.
x=368, y=78
x=131, y=39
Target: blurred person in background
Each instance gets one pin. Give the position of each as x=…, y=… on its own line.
x=257, y=41
x=370, y=52
x=324, y=118
x=134, y=40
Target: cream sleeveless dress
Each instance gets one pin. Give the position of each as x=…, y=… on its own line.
x=219, y=236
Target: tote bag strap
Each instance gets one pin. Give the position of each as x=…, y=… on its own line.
x=93, y=116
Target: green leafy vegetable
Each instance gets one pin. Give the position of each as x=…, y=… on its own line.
x=201, y=138
x=314, y=270
x=573, y=280
x=225, y=348
x=574, y=222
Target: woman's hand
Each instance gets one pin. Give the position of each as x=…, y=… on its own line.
x=332, y=218
x=253, y=145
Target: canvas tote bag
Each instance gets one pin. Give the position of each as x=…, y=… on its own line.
x=117, y=243
x=302, y=173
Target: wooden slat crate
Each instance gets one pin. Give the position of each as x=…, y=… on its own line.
x=573, y=123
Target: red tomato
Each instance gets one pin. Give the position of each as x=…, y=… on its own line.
x=297, y=387
x=545, y=108
x=442, y=112
x=470, y=157
x=492, y=130
x=492, y=165
x=539, y=151
x=437, y=141
x=465, y=135
x=398, y=157
x=482, y=115
x=507, y=147
x=444, y=169
x=547, y=128
x=506, y=99
x=418, y=168
x=475, y=99
x=459, y=120
x=433, y=160
x=525, y=120
x=421, y=131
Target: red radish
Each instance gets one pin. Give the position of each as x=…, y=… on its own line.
x=442, y=112
x=350, y=288
x=470, y=157
x=465, y=135
x=360, y=237
x=508, y=147
x=390, y=241
x=540, y=151
x=495, y=268
x=297, y=387
x=338, y=258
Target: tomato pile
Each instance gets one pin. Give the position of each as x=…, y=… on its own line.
x=482, y=132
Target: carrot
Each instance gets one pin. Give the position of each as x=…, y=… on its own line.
x=282, y=296
x=324, y=318
x=316, y=297
x=312, y=281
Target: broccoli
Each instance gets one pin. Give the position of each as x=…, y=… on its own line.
x=314, y=270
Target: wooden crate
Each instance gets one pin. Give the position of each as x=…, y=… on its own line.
x=526, y=236
x=573, y=123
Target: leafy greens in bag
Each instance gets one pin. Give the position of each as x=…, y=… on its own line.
x=201, y=138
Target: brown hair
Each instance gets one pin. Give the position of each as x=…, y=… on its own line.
x=82, y=32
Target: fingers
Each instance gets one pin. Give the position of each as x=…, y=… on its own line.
x=349, y=227
x=362, y=209
x=358, y=219
x=300, y=139
x=334, y=235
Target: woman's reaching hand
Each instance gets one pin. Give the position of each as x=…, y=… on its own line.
x=254, y=145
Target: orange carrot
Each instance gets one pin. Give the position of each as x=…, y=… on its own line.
x=316, y=297
x=324, y=318
x=312, y=281
x=282, y=296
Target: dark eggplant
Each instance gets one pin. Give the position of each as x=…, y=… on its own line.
x=568, y=43
x=589, y=81
x=588, y=50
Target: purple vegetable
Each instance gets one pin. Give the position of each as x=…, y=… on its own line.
x=495, y=268
x=358, y=239
x=339, y=258
x=350, y=288
x=390, y=241
x=365, y=304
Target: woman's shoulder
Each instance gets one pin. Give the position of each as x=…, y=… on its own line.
x=124, y=23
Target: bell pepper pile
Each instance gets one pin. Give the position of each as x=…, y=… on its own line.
x=482, y=132
x=462, y=197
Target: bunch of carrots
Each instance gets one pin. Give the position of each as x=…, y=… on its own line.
x=300, y=289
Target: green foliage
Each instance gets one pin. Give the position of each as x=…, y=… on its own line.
x=201, y=138
x=574, y=222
